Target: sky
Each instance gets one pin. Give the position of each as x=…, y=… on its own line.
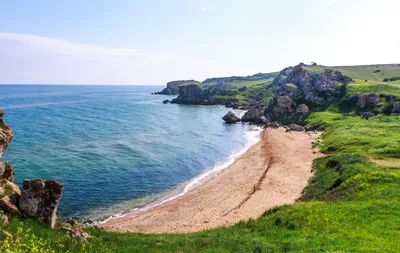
x=132, y=42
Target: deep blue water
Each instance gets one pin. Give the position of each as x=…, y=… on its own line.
x=112, y=145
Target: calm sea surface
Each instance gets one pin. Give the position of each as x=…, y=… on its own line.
x=113, y=147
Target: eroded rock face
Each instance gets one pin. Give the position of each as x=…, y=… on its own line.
x=173, y=87
x=6, y=134
x=189, y=94
x=7, y=172
x=294, y=127
x=40, y=199
x=230, y=118
x=367, y=100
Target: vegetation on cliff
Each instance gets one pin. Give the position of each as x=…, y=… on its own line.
x=351, y=205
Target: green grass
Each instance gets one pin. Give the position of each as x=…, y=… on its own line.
x=365, y=72
x=360, y=87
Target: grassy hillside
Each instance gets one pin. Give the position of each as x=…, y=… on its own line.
x=366, y=72
x=351, y=205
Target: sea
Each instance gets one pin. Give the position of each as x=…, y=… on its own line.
x=116, y=148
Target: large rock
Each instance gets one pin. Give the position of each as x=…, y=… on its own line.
x=396, y=107
x=294, y=127
x=253, y=115
x=367, y=101
x=284, y=105
x=303, y=109
x=173, y=87
x=40, y=199
x=230, y=118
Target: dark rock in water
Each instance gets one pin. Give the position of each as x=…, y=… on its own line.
x=40, y=199
x=166, y=101
x=396, y=107
x=367, y=115
x=253, y=115
x=230, y=118
x=367, y=100
x=302, y=109
x=242, y=88
x=7, y=172
x=294, y=127
x=284, y=105
x=173, y=87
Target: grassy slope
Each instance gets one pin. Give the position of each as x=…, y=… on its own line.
x=365, y=72
x=352, y=204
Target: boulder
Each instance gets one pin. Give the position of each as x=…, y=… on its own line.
x=302, y=109
x=253, y=115
x=367, y=101
x=367, y=115
x=289, y=90
x=6, y=134
x=396, y=107
x=242, y=88
x=230, y=118
x=284, y=105
x=40, y=199
x=294, y=127
x=166, y=101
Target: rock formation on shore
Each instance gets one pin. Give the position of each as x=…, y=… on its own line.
x=39, y=198
x=173, y=87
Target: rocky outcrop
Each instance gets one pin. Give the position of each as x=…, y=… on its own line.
x=303, y=109
x=283, y=105
x=190, y=94
x=40, y=199
x=230, y=118
x=6, y=134
x=10, y=194
x=367, y=101
x=173, y=87
x=295, y=127
x=7, y=172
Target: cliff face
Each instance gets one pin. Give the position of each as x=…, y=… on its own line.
x=173, y=87
x=38, y=198
x=6, y=134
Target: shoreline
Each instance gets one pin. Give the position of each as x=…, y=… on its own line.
x=272, y=172
x=252, y=136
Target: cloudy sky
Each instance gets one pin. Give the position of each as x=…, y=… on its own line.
x=155, y=41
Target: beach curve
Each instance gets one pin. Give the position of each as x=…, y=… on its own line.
x=273, y=172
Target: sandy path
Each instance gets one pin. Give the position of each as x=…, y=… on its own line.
x=272, y=173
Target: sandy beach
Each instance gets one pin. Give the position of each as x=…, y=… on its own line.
x=273, y=172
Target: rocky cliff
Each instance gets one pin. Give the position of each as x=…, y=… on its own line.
x=173, y=87
x=38, y=198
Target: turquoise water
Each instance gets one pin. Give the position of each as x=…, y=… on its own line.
x=113, y=147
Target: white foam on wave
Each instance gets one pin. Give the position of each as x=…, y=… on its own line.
x=252, y=136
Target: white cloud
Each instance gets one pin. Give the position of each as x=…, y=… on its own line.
x=202, y=8
x=26, y=45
